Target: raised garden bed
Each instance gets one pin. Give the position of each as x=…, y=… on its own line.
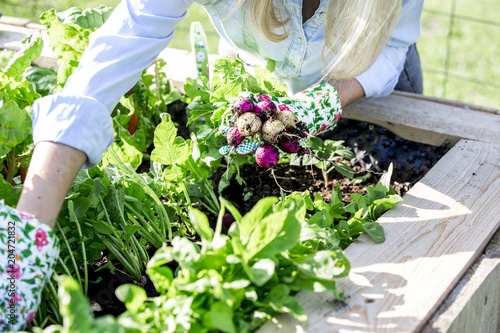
x=441, y=229
x=433, y=237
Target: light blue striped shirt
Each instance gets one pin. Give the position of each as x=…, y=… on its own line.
x=138, y=30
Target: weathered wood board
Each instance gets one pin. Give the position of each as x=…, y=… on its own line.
x=427, y=120
x=474, y=303
x=442, y=226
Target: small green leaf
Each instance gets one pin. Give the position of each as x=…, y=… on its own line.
x=74, y=306
x=375, y=231
x=102, y=227
x=261, y=272
x=133, y=296
x=200, y=223
x=256, y=214
x=221, y=316
x=162, y=277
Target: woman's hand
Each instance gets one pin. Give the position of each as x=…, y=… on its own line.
x=316, y=109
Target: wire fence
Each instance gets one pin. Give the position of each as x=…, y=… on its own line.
x=460, y=53
x=465, y=72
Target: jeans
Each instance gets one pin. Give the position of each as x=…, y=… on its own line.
x=411, y=79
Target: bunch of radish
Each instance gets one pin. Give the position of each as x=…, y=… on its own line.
x=276, y=128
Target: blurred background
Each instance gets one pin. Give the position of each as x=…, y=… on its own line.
x=459, y=46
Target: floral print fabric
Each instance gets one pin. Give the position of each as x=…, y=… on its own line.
x=28, y=253
x=318, y=107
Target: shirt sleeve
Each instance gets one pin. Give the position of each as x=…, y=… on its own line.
x=130, y=40
x=381, y=78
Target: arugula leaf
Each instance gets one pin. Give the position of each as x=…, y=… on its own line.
x=221, y=316
x=170, y=149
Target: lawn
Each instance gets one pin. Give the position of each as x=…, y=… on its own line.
x=459, y=56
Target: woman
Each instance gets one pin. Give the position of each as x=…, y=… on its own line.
x=358, y=46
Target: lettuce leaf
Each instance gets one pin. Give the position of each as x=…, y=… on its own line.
x=69, y=35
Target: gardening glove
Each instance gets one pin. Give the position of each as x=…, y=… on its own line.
x=318, y=107
x=28, y=253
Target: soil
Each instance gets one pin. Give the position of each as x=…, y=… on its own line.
x=260, y=183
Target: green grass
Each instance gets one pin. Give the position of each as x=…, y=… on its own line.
x=462, y=64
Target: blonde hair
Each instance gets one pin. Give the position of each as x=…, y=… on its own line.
x=356, y=31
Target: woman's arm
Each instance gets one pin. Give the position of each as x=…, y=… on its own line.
x=349, y=91
x=52, y=170
x=381, y=78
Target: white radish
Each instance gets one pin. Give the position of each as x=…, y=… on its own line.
x=249, y=124
x=272, y=130
x=288, y=118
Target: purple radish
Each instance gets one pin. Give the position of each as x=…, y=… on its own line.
x=267, y=156
x=242, y=105
x=234, y=137
x=227, y=220
x=293, y=147
x=265, y=110
x=249, y=124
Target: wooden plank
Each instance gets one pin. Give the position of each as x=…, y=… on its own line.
x=442, y=226
x=427, y=120
x=17, y=21
x=474, y=304
x=439, y=100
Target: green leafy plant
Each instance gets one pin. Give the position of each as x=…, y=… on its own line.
x=69, y=35
x=16, y=97
x=331, y=151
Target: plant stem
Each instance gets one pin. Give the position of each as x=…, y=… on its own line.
x=65, y=268
x=324, y=172
x=84, y=254
x=218, y=226
x=158, y=90
x=140, y=250
x=147, y=231
x=12, y=165
x=208, y=208
x=70, y=255
x=130, y=268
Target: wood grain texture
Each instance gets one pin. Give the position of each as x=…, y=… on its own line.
x=442, y=226
x=474, y=304
x=427, y=120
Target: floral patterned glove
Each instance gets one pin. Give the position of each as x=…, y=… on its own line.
x=317, y=107
x=28, y=253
